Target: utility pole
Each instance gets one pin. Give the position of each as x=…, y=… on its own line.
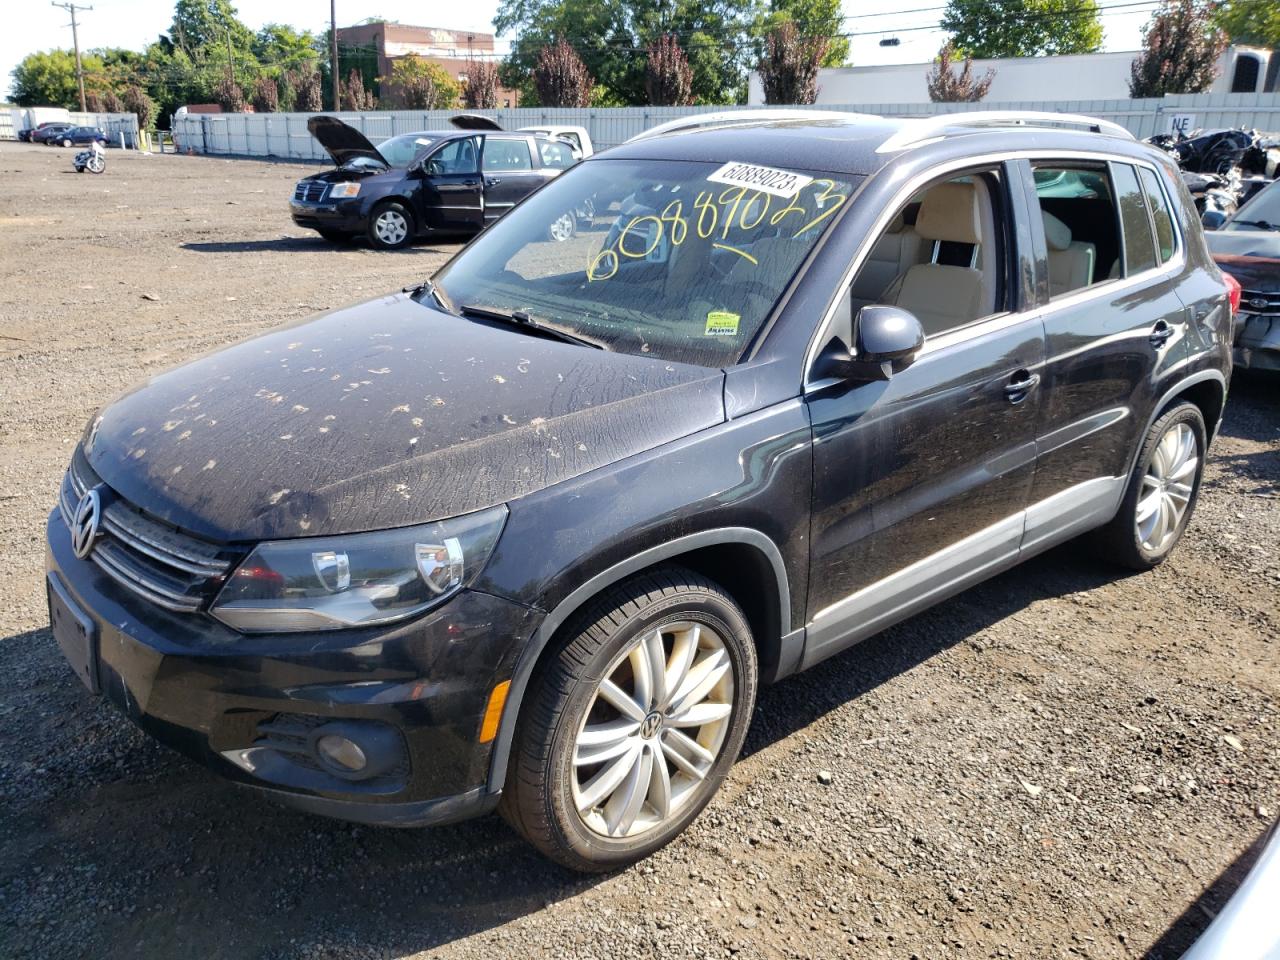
x=333, y=51
x=231, y=58
x=75, y=40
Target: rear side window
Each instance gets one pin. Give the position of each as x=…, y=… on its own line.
x=505, y=155
x=556, y=155
x=1165, y=240
x=1135, y=221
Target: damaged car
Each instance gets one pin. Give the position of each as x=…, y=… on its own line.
x=452, y=182
x=1247, y=246
x=531, y=535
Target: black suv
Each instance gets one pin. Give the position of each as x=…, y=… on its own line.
x=530, y=536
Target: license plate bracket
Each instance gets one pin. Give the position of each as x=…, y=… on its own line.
x=75, y=633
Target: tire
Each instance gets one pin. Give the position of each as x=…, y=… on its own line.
x=334, y=236
x=1166, y=476
x=66, y=143
x=390, y=226
x=700, y=629
x=564, y=227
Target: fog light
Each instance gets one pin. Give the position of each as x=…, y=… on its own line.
x=342, y=753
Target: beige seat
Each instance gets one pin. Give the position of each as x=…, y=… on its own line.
x=1070, y=261
x=942, y=296
x=896, y=252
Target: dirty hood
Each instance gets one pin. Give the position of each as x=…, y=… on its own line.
x=342, y=141
x=381, y=415
x=1251, y=256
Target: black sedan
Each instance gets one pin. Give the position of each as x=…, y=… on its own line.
x=456, y=181
x=77, y=136
x=1247, y=246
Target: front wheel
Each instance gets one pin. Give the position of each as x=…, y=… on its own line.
x=66, y=143
x=390, y=226
x=96, y=165
x=1162, y=492
x=563, y=227
x=631, y=727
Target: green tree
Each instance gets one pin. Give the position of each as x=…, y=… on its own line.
x=280, y=47
x=1180, y=50
x=1022, y=28
x=199, y=24
x=813, y=18
x=48, y=78
x=1253, y=22
x=418, y=84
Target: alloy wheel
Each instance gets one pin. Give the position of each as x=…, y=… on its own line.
x=1167, y=487
x=562, y=228
x=391, y=227
x=653, y=729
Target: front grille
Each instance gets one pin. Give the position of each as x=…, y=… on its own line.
x=155, y=561
x=310, y=191
x=1261, y=304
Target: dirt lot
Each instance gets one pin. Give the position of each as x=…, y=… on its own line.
x=1063, y=762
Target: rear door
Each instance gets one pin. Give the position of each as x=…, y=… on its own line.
x=450, y=197
x=920, y=482
x=509, y=173
x=1114, y=325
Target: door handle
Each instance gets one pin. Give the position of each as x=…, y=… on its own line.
x=1020, y=385
x=492, y=181
x=1160, y=333
x=470, y=183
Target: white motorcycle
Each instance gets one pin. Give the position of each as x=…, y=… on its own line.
x=94, y=159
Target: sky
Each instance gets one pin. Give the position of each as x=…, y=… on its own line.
x=135, y=23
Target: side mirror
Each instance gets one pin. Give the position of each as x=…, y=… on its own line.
x=1212, y=219
x=886, y=340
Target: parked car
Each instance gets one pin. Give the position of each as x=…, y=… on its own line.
x=1246, y=927
x=1247, y=246
x=576, y=137
x=77, y=136
x=456, y=181
x=48, y=132
x=531, y=535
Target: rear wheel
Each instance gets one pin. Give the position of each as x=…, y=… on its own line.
x=631, y=727
x=66, y=143
x=1162, y=492
x=390, y=226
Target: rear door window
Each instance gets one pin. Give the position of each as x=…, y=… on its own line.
x=1081, y=226
x=1135, y=221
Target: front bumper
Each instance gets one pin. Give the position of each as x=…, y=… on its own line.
x=221, y=697
x=343, y=215
x=1257, y=343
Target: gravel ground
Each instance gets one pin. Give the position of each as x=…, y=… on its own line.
x=1063, y=762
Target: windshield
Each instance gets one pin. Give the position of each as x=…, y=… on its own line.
x=680, y=260
x=403, y=150
x=1263, y=208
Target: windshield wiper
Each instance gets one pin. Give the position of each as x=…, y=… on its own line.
x=429, y=287
x=521, y=320
x=1263, y=224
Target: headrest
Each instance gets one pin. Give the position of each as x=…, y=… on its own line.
x=1056, y=233
x=949, y=212
x=897, y=224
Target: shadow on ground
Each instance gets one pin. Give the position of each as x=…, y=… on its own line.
x=298, y=244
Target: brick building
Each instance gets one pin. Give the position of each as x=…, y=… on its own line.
x=449, y=49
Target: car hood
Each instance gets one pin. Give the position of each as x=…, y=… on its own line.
x=381, y=415
x=342, y=142
x=1251, y=256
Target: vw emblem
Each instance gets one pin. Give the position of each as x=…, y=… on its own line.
x=650, y=725
x=84, y=525
x=1258, y=303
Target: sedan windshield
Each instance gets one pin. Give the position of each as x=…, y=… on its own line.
x=1260, y=213
x=403, y=150
x=683, y=261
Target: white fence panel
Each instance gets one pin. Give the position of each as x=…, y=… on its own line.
x=285, y=134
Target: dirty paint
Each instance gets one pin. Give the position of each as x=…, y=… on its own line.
x=404, y=447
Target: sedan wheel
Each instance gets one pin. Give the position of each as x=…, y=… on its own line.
x=391, y=227
x=653, y=729
x=66, y=143
x=563, y=228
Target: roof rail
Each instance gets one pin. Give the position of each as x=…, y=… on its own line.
x=729, y=118
x=926, y=128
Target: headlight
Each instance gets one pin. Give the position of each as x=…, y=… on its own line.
x=328, y=583
x=339, y=190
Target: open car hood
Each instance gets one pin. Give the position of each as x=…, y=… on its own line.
x=473, y=121
x=342, y=142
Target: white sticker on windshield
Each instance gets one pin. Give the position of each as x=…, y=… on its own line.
x=780, y=183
